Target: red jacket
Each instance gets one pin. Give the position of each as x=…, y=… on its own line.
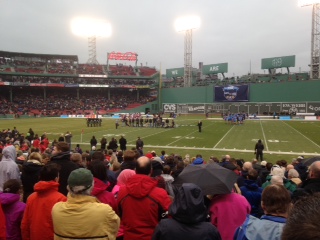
x=37, y=222
x=2, y=225
x=36, y=143
x=100, y=192
x=140, y=202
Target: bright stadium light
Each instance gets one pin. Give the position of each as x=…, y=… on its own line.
x=302, y=3
x=87, y=27
x=186, y=25
x=91, y=28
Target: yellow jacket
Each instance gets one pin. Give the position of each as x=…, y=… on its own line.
x=84, y=217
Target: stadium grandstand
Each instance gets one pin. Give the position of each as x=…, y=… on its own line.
x=50, y=85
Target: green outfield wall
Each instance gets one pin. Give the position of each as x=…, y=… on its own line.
x=258, y=92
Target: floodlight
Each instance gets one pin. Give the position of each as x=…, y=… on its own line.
x=87, y=27
x=302, y=3
x=187, y=23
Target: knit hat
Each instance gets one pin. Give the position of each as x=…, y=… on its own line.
x=80, y=180
x=263, y=163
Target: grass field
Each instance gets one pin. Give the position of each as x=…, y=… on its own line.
x=282, y=139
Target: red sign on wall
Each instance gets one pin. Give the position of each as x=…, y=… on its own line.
x=128, y=56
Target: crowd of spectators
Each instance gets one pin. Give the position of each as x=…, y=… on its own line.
x=56, y=103
x=268, y=200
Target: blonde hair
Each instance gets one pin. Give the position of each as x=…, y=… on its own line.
x=35, y=156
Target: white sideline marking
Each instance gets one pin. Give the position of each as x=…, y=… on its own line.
x=264, y=136
x=301, y=134
x=223, y=137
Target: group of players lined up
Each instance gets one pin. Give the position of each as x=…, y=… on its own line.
x=236, y=118
x=94, y=122
x=137, y=120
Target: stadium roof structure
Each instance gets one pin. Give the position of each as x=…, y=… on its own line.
x=37, y=55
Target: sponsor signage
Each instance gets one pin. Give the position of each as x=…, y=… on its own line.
x=215, y=68
x=93, y=76
x=278, y=62
x=169, y=107
x=93, y=85
x=313, y=107
x=196, y=108
x=294, y=108
x=128, y=56
x=174, y=72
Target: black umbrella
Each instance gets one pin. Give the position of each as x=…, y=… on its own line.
x=211, y=178
x=309, y=161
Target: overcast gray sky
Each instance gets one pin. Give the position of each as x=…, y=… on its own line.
x=233, y=31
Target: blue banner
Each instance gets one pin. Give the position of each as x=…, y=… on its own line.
x=231, y=93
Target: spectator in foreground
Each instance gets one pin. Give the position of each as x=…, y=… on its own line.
x=188, y=220
x=37, y=220
x=228, y=212
x=276, y=203
x=140, y=202
x=12, y=208
x=8, y=167
x=83, y=216
x=61, y=156
x=304, y=219
x=3, y=232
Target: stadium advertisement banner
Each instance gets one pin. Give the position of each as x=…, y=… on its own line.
x=215, y=68
x=278, y=62
x=174, y=72
x=93, y=85
x=93, y=76
x=313, y=107
x=196, y=108
x=293, y=108
x=169, y=108
x=128, y=56
x=231, y=93
x=71, y=85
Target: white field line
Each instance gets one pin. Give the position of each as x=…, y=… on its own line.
x=264, y=136
x=188, y=135
x=223, y=137
x=219, y=149
x=300, y=133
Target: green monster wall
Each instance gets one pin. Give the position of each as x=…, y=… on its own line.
x=259, y=92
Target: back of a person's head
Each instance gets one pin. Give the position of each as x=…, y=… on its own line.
x=129, y=155
x=143, y=166
x=97, y=155
x=35, y=156
x=49, y=172
x=76, y=157
x=269, y=166
x=11, y=186
x=98, y=170
x=247, y=166
x=276, y=180
x=293, y=173
x=275, y=200
x=124, y=176
x=276, y=170
x=166, y=169
x=62, y=146
x=303, y=221
x=252, y=174
x=314, y=170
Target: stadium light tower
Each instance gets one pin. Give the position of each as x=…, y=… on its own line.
x=186, y=25
x=315, y=36
x=91, y=28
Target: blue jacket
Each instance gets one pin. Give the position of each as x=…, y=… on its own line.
x=252, y=192
x=265, y=228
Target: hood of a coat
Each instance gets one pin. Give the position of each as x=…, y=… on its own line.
x=251, y=184
x=140, y=185
x=9, y=154
x=31, y=167
x=44, y=186
x=9, y=198
x=188, y=205
x=98, y=187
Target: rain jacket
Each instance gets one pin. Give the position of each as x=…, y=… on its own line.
x=228, y=212
x=67, y=166
x=188, y=220
x=252, y=192
x=100, y=192
x=140, y=204
x=37, y=221
x=268, y=227
x=3, y=232
x=13, y=210
x=8, y=168
x=30, y=176
x=84, y=217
